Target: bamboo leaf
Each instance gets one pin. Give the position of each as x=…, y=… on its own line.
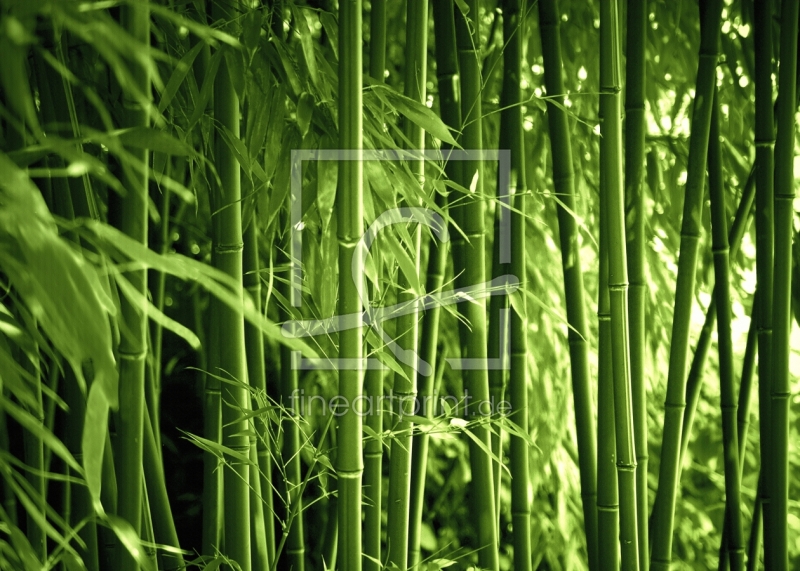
x=130, y=539
x=327, y=179
x=206, y=89
x=328, y=22
x=418, y=114
x=151, y=311
x=35, y=427
x=234, y=60
x=185, y=268
x=155, y=140
x=178, y=76
x=307, y=43
x=305, y=109
x=93, y=442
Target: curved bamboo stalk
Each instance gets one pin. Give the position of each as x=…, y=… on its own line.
x=261, y=472
x=350, y=215
x=719, y=228
x=780, y=389
x=578, y=334
x=294, y=528
x=675, y=403
x=473, y=339
x=695, y=378
x=164, y=530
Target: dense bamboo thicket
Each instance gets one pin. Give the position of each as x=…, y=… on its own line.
x=398, y=285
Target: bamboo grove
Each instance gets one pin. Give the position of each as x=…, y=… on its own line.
x=466, y=284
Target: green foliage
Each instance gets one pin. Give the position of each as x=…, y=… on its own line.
x=69, y=79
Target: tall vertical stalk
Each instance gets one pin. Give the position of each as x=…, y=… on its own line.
x=719, y=228
x=227, y=244
x=405, y=384
x=254, y=344
x=635, y=130
x=695, y=378
x=669, y=470
x=292, y=442
x=578, y=334
x=613, y=203
x=473, y=340
x=780, y=390
x=449, y=97
x=373, y=382
x=764, y=221
x=129, y=214
x=607, y=485
x=512, y=138
x=350, y=215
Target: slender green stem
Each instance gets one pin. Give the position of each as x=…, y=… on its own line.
x=350, y=215
x=511, y=136
x=719, y=226
x=227, y=244
x=764, y=221
x=129, y=214
x=405, y=383
x=612, y=208
x=164, y=530
x=254, y=343
x=780, y=389
x=635, y=130
x=578, y=334
x=473, y=338
x=374, y=378
x=675, y=403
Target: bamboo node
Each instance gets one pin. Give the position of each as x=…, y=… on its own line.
x=229, y=248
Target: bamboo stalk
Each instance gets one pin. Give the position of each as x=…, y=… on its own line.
x=227, y=244
x=449, y=96
x=350, y=215
x=473, y=343
x=404, y=389
x=695, y=378
x=675, y=403
x=743, y=419
x=130, y=216
x=514, y=12
x=780, y=389
x=764, y=221
x=254, y=344
x=578, y=334
x=294, y=530
x=164, y=530
x=635, y=130
x=612, y=201
x=607, y=485
x=719, y=227
x=373, y=382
